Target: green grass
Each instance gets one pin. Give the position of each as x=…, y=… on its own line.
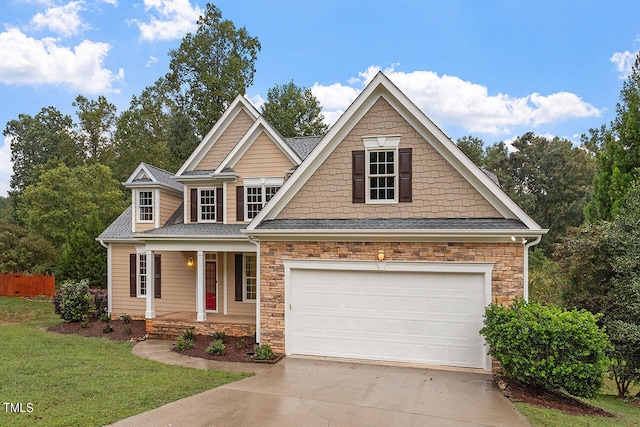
x=75, y=381
x=626, y=413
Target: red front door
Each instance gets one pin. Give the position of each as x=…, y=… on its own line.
x=210, y=285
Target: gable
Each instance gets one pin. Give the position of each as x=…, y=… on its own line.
x=439, y=190
x=225, y=143
x=263, y=159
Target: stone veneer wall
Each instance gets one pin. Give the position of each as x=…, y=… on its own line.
x=507, y=277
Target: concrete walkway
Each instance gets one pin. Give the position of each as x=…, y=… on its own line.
x=313, y=392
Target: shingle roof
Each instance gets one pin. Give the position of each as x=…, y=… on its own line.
x=394, y=224
x=120, y=228
x=303, y=145
x=163, y=177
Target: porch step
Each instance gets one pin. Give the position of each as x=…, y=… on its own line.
x=166, y=331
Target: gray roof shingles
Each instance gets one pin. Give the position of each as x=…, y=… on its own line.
x=394, y=224
x=303, y=145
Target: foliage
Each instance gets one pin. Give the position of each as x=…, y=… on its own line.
x=210, y=68
x=294, y=111
x=76, y=303
x=546, y=282
x=97, y=119
x=216, y=347
x=618, y=157
x=189, y=334
x=39, y=142
x=104, y=317
x=107, y=328
x=473, y=147
x=547, y=347
x=126, y=319
x=264, y=352
x=22, y=250
x=184, y=344
x=220, y=336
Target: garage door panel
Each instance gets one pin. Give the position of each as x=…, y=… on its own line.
x=423, y=317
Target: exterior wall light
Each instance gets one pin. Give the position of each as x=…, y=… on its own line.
x=190, y=262
x=381, y=255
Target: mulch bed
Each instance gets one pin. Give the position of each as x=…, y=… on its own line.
x=235, y=349
x=518, y=392
x=95, y=329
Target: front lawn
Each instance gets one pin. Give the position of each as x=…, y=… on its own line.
x=68, y=380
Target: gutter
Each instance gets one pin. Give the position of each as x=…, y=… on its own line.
x=526, y=265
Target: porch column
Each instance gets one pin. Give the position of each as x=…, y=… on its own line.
x=151, y=310
x=200, y=301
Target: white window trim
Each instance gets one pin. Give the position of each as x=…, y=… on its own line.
x=140, y=257
x=261, y=183
x=244, y=277
x=215, y=206
x=153, y=207
x=381, y=143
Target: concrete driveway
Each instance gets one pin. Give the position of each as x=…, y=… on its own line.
x=312, y=392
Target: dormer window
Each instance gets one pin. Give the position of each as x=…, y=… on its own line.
x=145, y=206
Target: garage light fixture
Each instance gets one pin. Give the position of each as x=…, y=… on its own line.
x=190, y=262
x=381, y=255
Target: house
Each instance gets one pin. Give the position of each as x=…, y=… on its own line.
x=379, y=241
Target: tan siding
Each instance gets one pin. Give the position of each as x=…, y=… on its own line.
x=225, y=143
x=168, y=205
x=233, y=306
x=439, y=191
x=121, y=302
x=262, y=159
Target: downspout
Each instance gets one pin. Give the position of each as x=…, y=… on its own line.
x=257, y=243
x=109, y=287
x=526, y=264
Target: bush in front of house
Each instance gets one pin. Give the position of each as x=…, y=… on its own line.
x=548, y=347
x=76, y=304
x=216, y=347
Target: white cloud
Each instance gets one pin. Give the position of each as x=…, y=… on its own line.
x=152, y=60
x=623, y=62
x=174, y=19
x=6, y=167
x=26, y=60
x=449, y=100
x=64, y=20
x=111, y=2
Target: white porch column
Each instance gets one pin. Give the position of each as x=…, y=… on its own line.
x=200, y=300
x=151, y=310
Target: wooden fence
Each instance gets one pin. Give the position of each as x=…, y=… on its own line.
x=19, y=285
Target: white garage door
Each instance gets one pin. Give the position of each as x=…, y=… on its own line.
x=430, y=317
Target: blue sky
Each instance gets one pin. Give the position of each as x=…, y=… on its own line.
x=492, y=69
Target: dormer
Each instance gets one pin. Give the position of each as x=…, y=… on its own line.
x=155, y=196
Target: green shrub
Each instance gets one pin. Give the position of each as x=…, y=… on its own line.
x=107, y=328
x=220, y=336
x=104, y=317
x=547, y=347
x=264, y=352
x=216, y=347
x=76, y=303
x=189, y=335
x=184, y=344
x=126, y=319
x=242, y=343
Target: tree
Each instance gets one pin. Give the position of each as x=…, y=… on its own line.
x=23, y=250
x=211, y=67
x=82, y=256
x=142, y=132
x=294, y=111
x=97, y=119
x=66, y=199
x=36, y=141
x=473, y=147
x=618, y=159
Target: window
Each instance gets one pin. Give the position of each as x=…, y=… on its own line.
x=257, y=197
x=207, y=205
x=145, y=206
x=250, y=278
x=381, y=178
x=142, y=275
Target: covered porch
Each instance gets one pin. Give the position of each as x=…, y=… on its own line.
x=172, y=325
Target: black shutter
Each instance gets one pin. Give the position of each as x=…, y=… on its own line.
x=240, y=203
x=194, y=205
x=133, y=276
x=405, y=175
x=219, y=204
x=238, y=275
x=157, y=276
x=357, y=176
